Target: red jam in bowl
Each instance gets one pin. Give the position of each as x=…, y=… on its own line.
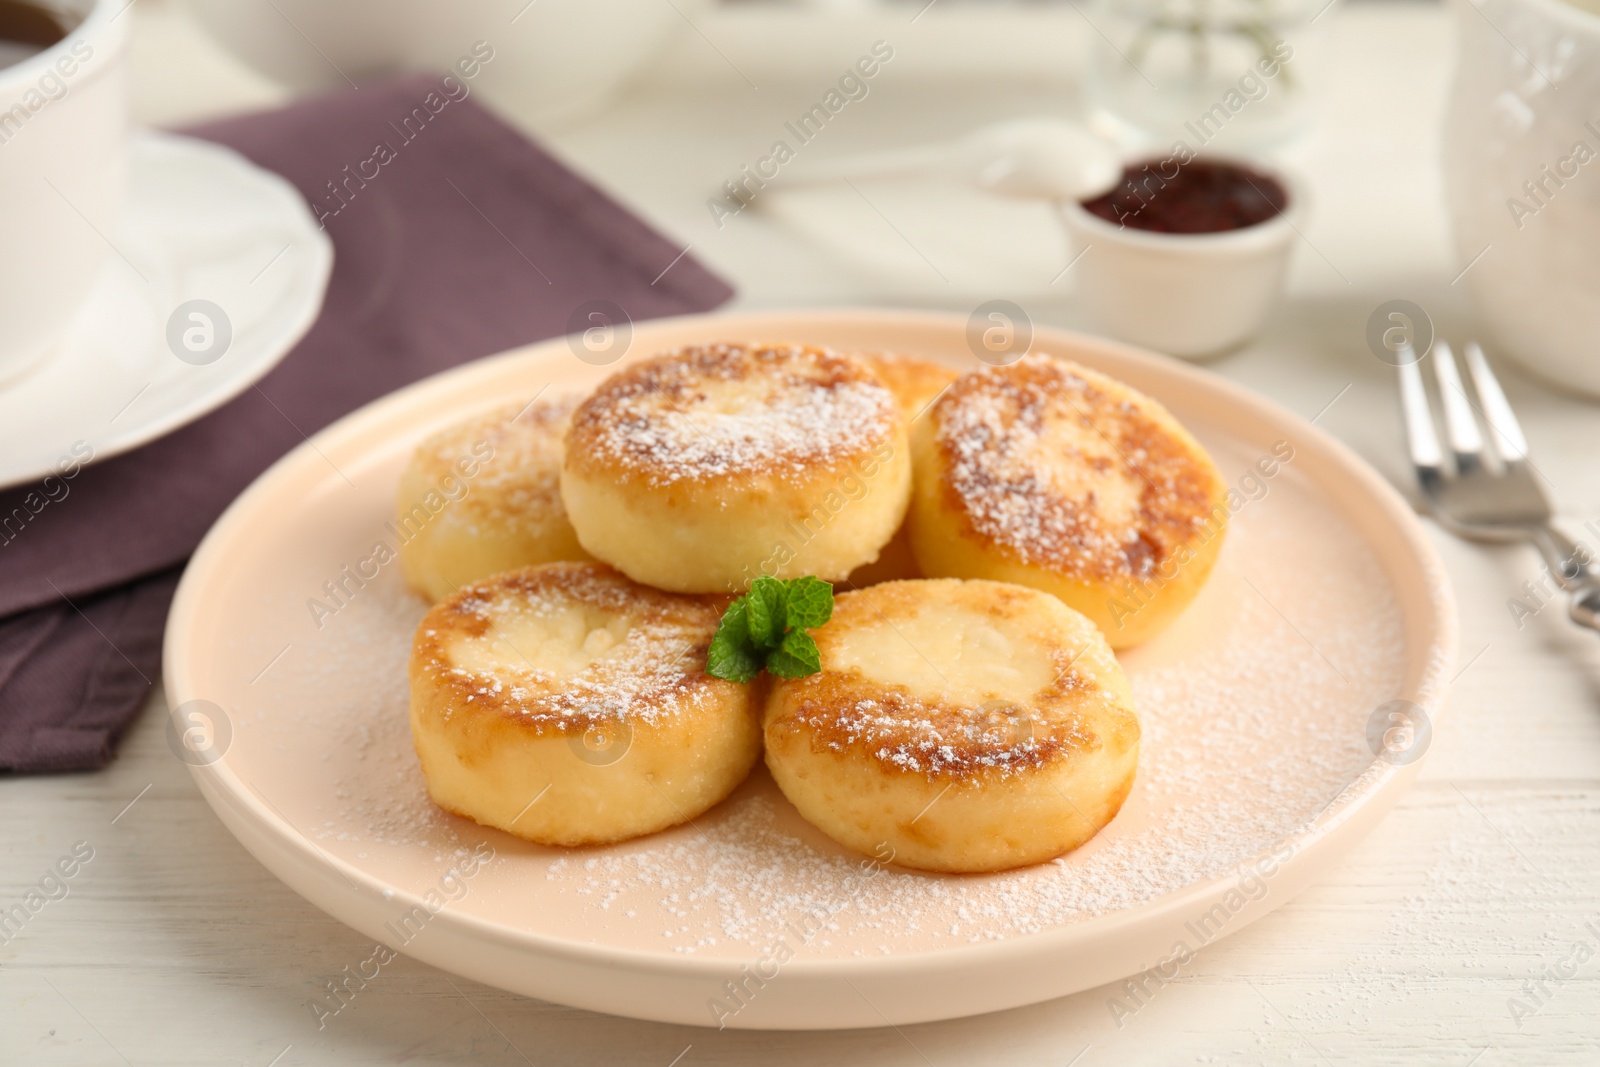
x=1200, y=196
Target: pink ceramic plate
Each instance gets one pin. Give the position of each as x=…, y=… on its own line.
x=1263, y=710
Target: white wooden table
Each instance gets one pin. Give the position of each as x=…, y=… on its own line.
x=173, y=946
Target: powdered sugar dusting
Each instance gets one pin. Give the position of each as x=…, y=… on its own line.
x=1230, y=766
x=1253, y=709
x=655, y=671
x=525, y=437
x=726, y=410
x=1047, y=463
x=939, y=740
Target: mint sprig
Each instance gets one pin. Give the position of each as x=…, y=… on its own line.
x=766, y=628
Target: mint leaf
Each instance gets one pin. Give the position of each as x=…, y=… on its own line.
x=796, y=657
x=732, y=655
x=766, y=628
x=766, y=611
x=810, y=603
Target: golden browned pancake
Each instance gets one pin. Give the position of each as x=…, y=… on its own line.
x=484, y=496
x=701, y=469
x=1051, y=475
x=967, y=726
x=895, y=563
x=568, y=705
x=915, y=382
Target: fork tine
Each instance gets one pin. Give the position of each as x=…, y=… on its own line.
x=1460, y=426
x=1509, y=441
x=1422, y=440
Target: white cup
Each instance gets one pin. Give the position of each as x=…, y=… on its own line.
x=1524, y=198
x=1185, y=294
x=63, y=165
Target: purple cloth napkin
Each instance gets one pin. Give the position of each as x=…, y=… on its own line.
x=467, y=241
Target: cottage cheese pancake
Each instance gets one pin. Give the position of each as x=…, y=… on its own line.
x=484, y=496
x=1051, y=475
x=570, y=706
x=915, y=382
x=698, y=470
x=962, y=725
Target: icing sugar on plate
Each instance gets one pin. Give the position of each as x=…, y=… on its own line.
x=1249, y=731
x=1255, y=706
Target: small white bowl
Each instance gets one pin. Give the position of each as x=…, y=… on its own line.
x=1189, y=295
x=545, y=62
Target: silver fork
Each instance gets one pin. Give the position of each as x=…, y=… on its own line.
x=1488, y=491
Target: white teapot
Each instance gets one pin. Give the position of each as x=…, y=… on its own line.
x=1522, y=179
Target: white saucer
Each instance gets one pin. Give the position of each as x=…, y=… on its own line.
x=200, y=223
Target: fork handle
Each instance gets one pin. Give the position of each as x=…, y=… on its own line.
x=1585, y=608
x=1569, y=562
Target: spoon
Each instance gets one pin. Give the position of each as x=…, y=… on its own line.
x=1029, y=159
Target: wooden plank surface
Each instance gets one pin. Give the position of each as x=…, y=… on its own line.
x=1465, y=930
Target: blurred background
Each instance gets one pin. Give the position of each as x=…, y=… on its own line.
x=662, y=101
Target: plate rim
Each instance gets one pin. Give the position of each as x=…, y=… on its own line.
x=289, y=329
x=1380, y=783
